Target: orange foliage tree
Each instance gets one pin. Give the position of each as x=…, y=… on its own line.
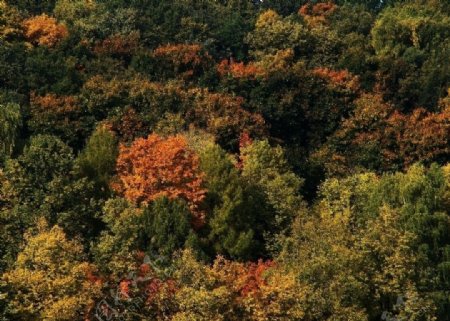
x=184, y=59
x=239, y=69
x=44, y=30
x=380, y=138
x=119, y=45
x=153, y=167
x=338, y=78
x=315, y=14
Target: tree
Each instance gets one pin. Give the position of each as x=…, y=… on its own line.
x=237, y=216
x=10, y=19
x=155, y=167
x=11, y=122
x=182, y=60
x=97, y=161
x=274, y=33
x=44, y=31
x=33, y=7
x=48, y=280
x=62, y=116
x=167, y=227
x=230, y=290
x=41, y=183
x=412, y=47
x=378, y=138
x=118, y=245
x=404, y=209
x=267, y=167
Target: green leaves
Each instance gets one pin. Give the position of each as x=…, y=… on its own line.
x=10, y=123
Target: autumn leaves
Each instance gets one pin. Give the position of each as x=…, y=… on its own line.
x=153, y=167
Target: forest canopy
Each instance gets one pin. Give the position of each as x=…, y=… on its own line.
x=222, y=160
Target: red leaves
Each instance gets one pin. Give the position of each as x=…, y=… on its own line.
x=155, y=167
x=254, y=277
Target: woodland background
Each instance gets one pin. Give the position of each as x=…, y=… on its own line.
x=224, y=160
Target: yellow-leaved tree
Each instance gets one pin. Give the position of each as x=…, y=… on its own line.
x=50, y=280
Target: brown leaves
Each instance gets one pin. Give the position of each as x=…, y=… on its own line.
x=123, y=45
x=44, y=30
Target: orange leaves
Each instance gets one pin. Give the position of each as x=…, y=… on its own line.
x=239, y=69
x=376, y=132
x=317, y=13
x=339, y=78
x=244, y=279
x=180, y=54
x=155, y=167
x=53, y=103
x=185, y=60
x=421, y=135
x=44, y=30
x=254, y=277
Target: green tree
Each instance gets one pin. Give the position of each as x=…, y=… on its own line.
x=167, y=227
x=40, y=183
x=11, y=122
x=273, y=33
x=237, y=216
x=266, y=167
x=412, y=46
x=97, y=160
x=118, y=244
x=33, y=7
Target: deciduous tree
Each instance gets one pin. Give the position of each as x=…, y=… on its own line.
x=153, y=167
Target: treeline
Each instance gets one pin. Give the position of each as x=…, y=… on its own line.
x=224, y=160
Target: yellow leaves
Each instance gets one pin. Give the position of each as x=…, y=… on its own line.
x=44, y=30
x=235, y=291
x=266, y=18
x=10, y=19
x=49, y=280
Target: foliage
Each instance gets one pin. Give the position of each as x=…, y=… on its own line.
x=238, y=216
x=98, y=159
x=224, y=160
x=167, y=224
x=11, y=121
x=62, y=116
x=155, y=167
x=44, y=30
x=48, y=281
